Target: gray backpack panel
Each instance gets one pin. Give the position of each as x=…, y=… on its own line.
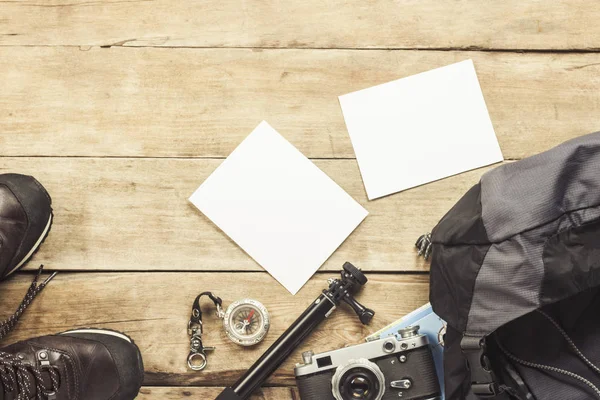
x=525, y=237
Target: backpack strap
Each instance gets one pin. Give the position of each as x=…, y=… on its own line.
x=484, y=383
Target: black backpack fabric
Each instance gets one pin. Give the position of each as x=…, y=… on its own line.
x=515, y=271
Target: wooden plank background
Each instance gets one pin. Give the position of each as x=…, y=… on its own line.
x=133, y=214
x=121, y=108
x=154, y=309
x=146, y=102
x=427, y=24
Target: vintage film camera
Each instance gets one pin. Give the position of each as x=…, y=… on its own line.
x=389, y=368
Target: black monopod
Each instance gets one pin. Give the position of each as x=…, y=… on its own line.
x=339, y=290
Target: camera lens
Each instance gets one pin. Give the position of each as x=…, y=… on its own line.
x=359, y=387
x=359, y=384
x=358, y=380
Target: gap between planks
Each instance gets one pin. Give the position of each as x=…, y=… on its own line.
x=473, y=49
x=182, y=158
x=203, y=392
x=33, y=270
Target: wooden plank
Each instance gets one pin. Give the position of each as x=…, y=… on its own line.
x=203, y=393
x=510, y=24
x=154, y=309
x=133, y=214
x=202, y=103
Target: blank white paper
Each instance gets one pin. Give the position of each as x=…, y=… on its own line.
x=281, y=209
x=420, y=129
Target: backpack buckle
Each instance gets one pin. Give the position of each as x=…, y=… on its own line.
x=483, y=379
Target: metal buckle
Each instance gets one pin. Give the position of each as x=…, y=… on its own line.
x=197, y=350
x=483, y=379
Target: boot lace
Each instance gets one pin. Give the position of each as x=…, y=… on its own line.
x=34, y=289
x=21, y=378
x=17, y=376
x=424, y=245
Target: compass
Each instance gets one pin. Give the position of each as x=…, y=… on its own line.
x=246, y=322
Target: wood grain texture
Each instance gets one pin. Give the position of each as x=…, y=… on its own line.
x=203, y=102
x=511, y=24
x=133, y=214
x=121, y=136
x=153, y=308
x=204, y=393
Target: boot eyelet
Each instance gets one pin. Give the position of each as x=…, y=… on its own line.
x=43, y=357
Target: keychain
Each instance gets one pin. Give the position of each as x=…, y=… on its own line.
x=246, y=322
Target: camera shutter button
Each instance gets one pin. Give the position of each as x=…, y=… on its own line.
x=401, y=384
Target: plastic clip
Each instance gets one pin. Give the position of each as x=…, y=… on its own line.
x=483, y=379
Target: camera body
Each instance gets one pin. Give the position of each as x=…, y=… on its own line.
x=389, y=368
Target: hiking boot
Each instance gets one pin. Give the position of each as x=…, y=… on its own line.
x=25, y=220
x=83, y=364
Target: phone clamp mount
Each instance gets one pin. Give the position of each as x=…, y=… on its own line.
x=339, y=290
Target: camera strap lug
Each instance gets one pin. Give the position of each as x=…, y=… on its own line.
x=483, y=380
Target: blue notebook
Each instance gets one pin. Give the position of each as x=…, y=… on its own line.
x=431, y=325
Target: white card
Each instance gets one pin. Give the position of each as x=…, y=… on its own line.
x=420, y=129
x=278, y=207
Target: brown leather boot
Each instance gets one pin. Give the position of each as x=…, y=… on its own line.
x=83, y=364
x=25, y=220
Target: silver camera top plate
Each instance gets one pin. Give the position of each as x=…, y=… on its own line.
x=370, y=350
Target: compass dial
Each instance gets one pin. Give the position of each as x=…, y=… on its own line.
x=246, y=322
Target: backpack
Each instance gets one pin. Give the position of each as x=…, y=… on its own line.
x=515, y=269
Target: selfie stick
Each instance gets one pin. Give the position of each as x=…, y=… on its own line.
x=339, y=290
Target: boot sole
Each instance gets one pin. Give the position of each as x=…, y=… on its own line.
x=35, y=248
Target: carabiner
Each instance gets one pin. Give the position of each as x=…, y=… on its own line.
x=195, y=330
